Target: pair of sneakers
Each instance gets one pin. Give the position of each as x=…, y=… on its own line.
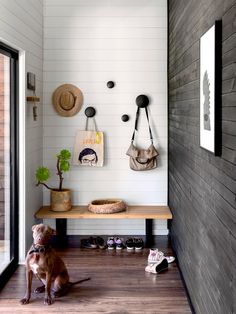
x=157, y=262
x=115, y=243
x=136, y=244
x=93, y=243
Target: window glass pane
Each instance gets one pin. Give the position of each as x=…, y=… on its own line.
x=5, y=255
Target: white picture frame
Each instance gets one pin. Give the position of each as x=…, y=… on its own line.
x=210, y=91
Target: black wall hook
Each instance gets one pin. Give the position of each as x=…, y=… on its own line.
x=142, y=101
x=110, y=84
x=90, y=112
x=125, y=118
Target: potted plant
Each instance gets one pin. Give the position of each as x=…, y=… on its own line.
x=60, y=198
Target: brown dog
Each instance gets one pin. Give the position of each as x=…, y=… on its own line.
x=48, y=267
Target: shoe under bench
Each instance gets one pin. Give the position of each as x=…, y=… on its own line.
x=81, y=212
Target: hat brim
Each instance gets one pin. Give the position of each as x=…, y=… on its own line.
x=76, y=95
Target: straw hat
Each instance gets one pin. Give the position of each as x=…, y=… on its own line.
x=67, y=100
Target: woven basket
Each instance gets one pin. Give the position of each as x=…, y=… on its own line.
x=107, y=206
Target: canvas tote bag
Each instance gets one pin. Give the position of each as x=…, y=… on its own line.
x=89, y=147
x=142, y=159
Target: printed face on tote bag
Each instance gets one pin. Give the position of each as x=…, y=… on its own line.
x=88, y=157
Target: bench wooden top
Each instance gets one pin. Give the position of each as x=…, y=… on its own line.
x=132, y=212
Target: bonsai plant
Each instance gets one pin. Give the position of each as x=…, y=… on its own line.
x=60, y=198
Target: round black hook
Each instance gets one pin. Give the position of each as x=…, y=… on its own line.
x=90, y=112
x=142, y=101
x=110, y=84
x=125, y=118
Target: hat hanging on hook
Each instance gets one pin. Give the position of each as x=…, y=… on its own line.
x=67, y=100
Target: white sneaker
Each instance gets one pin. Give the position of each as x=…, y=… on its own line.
x=155, y=256
x=157, y=267
x=170, y=259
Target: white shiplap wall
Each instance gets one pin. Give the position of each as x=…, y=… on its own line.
x=88, y=43
x=21, y=25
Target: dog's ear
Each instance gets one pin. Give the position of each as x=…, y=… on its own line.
x=33, y=227
x=52, y=231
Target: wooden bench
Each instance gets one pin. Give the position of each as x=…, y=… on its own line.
x=81, y=212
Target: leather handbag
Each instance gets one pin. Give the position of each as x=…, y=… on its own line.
x=142, y=159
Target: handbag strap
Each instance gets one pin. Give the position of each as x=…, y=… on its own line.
x=136, y=124
x=95, y=125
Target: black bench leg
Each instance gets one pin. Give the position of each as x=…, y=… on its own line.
x=61, y=229
x=149, y=236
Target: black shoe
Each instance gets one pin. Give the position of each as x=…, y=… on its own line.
x=100, y=243
x=89, y=243
x=130, y=244
x=138, y=244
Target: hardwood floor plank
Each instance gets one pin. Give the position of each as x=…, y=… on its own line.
x=119, y=284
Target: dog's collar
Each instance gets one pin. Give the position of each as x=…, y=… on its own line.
x=39, y=249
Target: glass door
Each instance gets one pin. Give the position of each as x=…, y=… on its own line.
x=8, y=162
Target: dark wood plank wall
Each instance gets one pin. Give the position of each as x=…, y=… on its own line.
x=202, y=187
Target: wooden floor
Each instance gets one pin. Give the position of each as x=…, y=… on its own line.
x=118, y=285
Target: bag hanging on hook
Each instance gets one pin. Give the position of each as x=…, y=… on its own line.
x=142, y=159
x=89, y=147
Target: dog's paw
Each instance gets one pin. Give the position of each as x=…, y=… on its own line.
x=24, y=301
x=48, y=300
